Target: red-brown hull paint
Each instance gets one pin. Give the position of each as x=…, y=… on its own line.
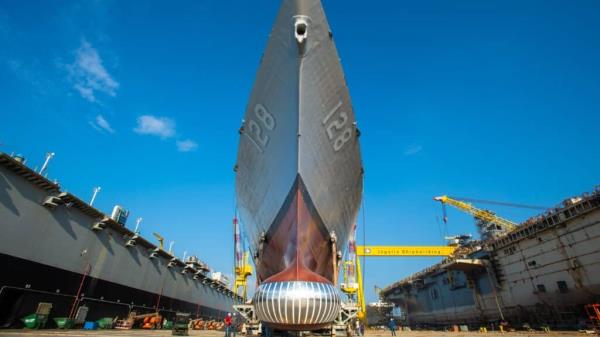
x=297, y=247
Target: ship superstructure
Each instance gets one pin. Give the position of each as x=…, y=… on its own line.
x=299, y=171
x=59, y=249
x=542, y=272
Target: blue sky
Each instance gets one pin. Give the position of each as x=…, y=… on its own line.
x=494, y=100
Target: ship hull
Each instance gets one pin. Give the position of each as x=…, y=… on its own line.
x=299, y=172
x=29, y=283
x=49, y=243
x=543, y=273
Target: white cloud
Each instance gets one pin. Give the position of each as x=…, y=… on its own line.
x=412, y=149
x=164, y=128
x=102, y=125
x=88, y=75
x=156, y=126
x=86, y=93
x=187, y=145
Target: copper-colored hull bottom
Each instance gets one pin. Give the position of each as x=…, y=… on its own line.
x=297, y=246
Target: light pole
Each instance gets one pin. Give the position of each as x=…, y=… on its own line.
x=137, y=225
x=49, y=156
x=95, y=192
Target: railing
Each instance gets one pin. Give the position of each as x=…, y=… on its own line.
x=553, y=218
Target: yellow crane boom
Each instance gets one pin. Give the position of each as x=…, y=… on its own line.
x=358, y=287
x=476, y=212
x=161, y=240
x=404, y=250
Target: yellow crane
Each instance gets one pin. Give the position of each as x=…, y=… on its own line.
x=405, y=250
x=353, y=285
x=242, y=272
x=357, y=288
x=243, y=269
x=161, y=240
x=478, y=213
x=352, y=288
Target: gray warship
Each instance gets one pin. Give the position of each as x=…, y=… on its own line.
x=540, y=273
x=299, y=171
x=57, y=249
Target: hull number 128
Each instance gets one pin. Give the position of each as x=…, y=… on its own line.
x=260, y=126
x=335, y=126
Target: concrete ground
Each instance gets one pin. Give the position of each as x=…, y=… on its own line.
x=205, y=333
x=104, y=333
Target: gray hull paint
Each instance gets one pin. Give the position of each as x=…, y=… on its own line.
x=522, y=280
x=63, y=238
x=303, y=88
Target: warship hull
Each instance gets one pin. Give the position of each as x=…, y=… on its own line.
x=298, y=171
x=56, y=248
x=542, y=273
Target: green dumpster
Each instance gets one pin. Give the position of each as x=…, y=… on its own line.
x=30, y=321
x=35, y=321
x=105, y=323
x=168, y=325
x=63, y=322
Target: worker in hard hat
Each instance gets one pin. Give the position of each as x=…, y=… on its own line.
x=227, y=321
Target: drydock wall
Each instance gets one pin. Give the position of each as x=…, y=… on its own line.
x=45, y=249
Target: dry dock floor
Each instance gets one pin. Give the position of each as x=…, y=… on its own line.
x=205, y=333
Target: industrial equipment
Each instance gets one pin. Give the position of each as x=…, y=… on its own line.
x=149, y=321
x=180, y=325
x=242, y=272
x=593, y=312
x=500, y=203
x=352, y=282
x=161, y=240
x=482, y=214
x=405, y=250
x=243, y=269
x=488, y=223
x=120, y=215
x=352, y=264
